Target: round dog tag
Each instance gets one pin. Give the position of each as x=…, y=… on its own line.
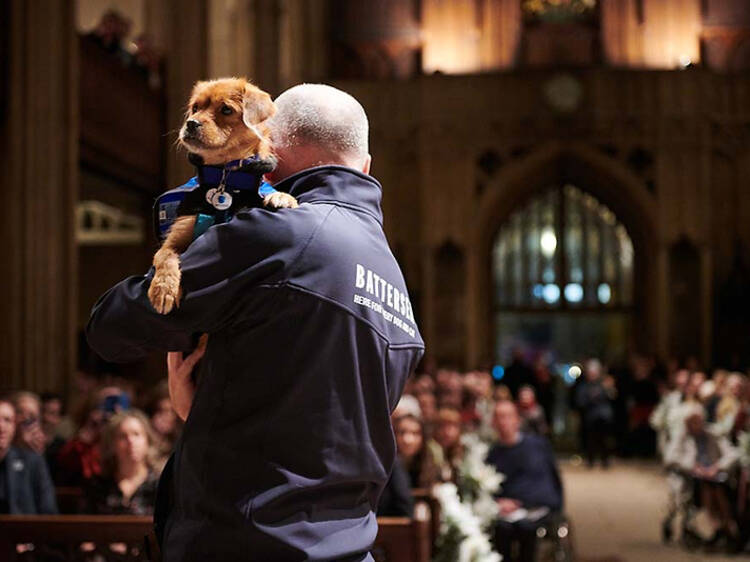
x=221, y=200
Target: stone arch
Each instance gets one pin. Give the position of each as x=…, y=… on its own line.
x=605, y=178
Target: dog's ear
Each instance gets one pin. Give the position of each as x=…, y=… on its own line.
x=256, y=106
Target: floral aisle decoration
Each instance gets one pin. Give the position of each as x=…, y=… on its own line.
x=468, y=510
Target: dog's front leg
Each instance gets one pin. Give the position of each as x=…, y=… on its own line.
x=164, y=292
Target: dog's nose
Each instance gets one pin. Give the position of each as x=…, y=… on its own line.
x=192, y=125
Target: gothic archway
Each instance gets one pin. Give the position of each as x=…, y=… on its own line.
x=562, y=269
x=612, y=185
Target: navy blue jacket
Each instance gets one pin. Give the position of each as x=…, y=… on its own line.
x=530, y=470
x=288, y=443
x=28, y=485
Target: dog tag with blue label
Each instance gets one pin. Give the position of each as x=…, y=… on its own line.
x=220, y=200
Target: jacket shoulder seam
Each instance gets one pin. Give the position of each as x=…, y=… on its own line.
x=352, y=313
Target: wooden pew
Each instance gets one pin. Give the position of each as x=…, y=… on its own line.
x=425, y=495
x=64, y=533
x=400, y=539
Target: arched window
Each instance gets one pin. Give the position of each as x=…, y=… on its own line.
x=564, y=252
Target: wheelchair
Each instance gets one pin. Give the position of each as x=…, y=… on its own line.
x=555, y=540
x=690, y=505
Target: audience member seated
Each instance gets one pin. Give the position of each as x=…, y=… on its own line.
x=662, y=419
x=532, y=415
x=25, y=485
x=428, y=409
x=502, y=393
x=446, y=445
x=53, y=429
x=408, y=405
x=29, y=434
x=449, y=389
x=127, y=484
x=79, y=460
x=531, y=493
x=396, y=499
x=423, y=383
x=708, y=459
x=478, y=404
x=728, y=405
x=413, y=452
x=165, y=424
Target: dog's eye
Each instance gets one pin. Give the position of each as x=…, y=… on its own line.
x=226, y=110
x=195, y=107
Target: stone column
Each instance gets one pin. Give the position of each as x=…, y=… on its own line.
x=39, y=143
x=185, y=28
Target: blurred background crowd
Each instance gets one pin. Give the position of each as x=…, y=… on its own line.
x=102, y=453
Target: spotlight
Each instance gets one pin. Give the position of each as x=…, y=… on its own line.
x=498, y=372
x=574, y=372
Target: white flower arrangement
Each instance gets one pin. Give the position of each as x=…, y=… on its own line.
x=469, y=509
x=462, y=538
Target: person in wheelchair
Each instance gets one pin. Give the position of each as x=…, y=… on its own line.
x=707, y=461
x=531, y=497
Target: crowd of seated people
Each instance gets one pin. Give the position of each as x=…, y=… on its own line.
x=700, y=423
x=429, y=422
x=108, y=454
x=111, y=446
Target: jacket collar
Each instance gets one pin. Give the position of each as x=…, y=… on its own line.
x=338, y=185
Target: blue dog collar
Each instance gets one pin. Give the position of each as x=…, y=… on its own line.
x=232, y=175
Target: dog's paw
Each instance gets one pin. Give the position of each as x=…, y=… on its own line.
x=280, y=200
x=165, y=292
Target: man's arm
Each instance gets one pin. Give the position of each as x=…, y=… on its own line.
x=228, y=259
x=181, y=385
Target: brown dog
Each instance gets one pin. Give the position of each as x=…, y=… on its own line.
x=224, y=122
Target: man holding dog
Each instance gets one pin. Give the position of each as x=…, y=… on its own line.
x=288, y=442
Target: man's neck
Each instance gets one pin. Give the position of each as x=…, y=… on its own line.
x=4, y=453
x=511, y=440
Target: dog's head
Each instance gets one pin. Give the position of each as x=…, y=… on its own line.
x=224, y=120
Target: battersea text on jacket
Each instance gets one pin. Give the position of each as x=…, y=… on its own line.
x=312, y=336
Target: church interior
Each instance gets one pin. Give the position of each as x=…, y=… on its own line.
x=565, y=187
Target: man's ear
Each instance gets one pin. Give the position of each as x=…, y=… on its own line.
x=367, y=164
x=256, y=106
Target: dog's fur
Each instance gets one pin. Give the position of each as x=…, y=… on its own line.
x=227, y=118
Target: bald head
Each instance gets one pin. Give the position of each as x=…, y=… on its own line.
x=315, y=125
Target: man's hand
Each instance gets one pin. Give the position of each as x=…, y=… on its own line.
x=32, y=436
x=508, y=505
x=181, y=386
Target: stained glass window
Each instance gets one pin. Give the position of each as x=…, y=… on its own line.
x=564, y=249
x=563, y=275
